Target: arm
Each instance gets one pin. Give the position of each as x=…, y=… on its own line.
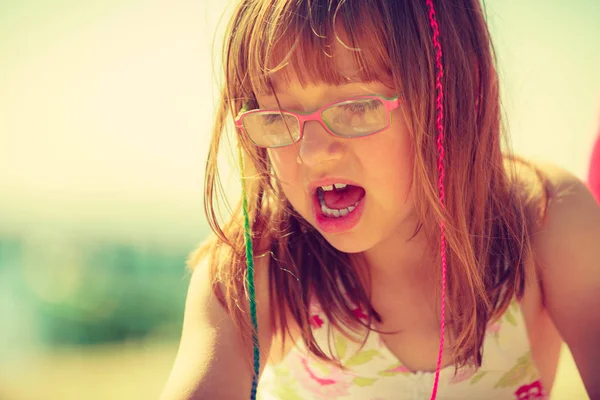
x=213, y=362
x=568, y=253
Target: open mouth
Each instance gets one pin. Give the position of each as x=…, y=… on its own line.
x=339, y=200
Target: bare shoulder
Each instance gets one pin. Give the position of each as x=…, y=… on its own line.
x=212, y=343
x=570, y=227
x=566, y=248
x=556, y=196
x=569, y=219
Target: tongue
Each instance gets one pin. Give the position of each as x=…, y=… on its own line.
x=343, y=198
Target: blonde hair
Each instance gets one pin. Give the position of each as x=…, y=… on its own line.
x=487, y=226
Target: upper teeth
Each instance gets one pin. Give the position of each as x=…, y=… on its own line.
x=329, y=188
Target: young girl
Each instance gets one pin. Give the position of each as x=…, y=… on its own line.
x=390, y=249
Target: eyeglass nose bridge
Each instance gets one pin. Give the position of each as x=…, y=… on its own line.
x=316, y=116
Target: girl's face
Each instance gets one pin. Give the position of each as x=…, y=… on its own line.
x=381, y=164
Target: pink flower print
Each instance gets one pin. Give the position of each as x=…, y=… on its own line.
x=400, y=369
x=532, y=391
x=359, y=313
x=316, y=322
x=464, y=374
x=394, y=370
x=316, y=315
x=323, y=380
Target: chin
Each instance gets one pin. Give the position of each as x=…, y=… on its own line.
x=348, y=242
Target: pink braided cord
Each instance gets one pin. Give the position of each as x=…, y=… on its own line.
x=440, y=147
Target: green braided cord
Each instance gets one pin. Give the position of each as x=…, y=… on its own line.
x=250, y=281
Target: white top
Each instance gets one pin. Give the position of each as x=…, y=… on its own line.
x=373, y=372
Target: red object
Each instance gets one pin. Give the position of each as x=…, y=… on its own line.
x=316, y=321
x=439, y=88
x=531, y=391
x=594, y=173
x=359, y=313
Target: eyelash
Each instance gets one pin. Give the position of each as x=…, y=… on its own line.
x=367, y=105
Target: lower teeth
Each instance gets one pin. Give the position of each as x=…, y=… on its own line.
x=335, y=213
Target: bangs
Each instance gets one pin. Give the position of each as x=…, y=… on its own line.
x=314, y=42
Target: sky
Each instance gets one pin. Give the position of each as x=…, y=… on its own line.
x=106, y=107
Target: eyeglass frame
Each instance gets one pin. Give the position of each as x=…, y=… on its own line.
x=390, y=103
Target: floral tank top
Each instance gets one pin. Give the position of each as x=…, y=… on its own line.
x=373, y=372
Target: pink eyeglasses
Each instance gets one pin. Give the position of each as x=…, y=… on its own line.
x=351, y=118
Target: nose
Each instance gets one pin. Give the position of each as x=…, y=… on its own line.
x=318, y=146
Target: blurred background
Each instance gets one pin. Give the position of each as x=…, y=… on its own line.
x=105, y=114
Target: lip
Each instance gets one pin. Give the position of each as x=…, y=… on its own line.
x=340, y=224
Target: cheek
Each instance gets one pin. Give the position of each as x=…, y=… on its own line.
x=400, y=151
x=389, y=162
x=284, y=163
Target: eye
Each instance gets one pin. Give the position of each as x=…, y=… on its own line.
x=362, y=106
x=355, y=108
x=270, y=119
